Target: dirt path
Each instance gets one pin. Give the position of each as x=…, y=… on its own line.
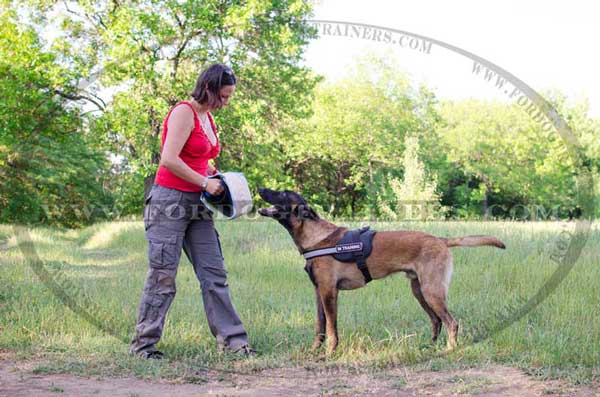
x=16, y=379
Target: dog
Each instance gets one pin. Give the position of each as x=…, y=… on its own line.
x=425, y=259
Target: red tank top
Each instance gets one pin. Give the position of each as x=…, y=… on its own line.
x=196, y=152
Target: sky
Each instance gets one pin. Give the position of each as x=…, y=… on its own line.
x=547, y=44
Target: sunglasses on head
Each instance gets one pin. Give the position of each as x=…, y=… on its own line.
x=227, y=76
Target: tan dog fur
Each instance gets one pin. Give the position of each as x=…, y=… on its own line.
x=425, y=259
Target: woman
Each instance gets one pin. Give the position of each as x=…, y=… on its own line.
x=174, y=218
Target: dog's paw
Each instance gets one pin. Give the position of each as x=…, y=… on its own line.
x=321, y=357
x=450, y=349
x=330, y=352
x=315, y=346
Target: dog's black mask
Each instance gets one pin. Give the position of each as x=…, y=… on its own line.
x=287, y=207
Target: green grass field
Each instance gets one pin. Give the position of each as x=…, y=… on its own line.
x=102, y=269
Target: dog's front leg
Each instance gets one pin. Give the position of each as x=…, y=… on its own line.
x=320, y=324
x=329, y=296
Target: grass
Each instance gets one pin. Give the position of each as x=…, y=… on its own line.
x=101, y=269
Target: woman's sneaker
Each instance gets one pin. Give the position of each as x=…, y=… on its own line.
x=242, y=351
x=150, y=354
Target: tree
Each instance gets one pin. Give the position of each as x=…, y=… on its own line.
x=49, y=168
x=415, y=196
x=506, y=157
x=343, y=154
x=152, y=51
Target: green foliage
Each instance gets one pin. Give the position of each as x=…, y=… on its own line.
x=413, y=197
x=507, y=158
x=51, y=171
x=343, y=154
x=340, y=143
x=151, y=52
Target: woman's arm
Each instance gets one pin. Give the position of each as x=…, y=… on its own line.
x=180, y=125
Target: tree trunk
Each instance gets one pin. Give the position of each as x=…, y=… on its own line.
x=485, y=201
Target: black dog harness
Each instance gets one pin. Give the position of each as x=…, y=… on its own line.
x=355, y=246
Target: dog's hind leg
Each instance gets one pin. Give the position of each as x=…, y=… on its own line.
x=436, y=322
x=320, y=324
x=435, y=296
x=329, y=295
x=434, y=287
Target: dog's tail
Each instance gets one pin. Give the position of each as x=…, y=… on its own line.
x=473, y=241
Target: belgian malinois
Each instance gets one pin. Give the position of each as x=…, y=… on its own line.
x=425, y=259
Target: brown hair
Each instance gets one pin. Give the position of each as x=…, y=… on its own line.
x=210, y=82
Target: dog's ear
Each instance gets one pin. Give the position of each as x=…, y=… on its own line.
x=303, y=211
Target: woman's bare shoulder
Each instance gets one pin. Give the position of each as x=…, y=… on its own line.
x=181, y=116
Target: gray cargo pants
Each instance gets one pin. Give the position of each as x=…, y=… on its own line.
x=174, y=220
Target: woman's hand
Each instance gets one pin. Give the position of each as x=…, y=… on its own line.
x=214, y=187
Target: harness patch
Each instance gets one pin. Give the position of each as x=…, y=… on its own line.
x=349, y=247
